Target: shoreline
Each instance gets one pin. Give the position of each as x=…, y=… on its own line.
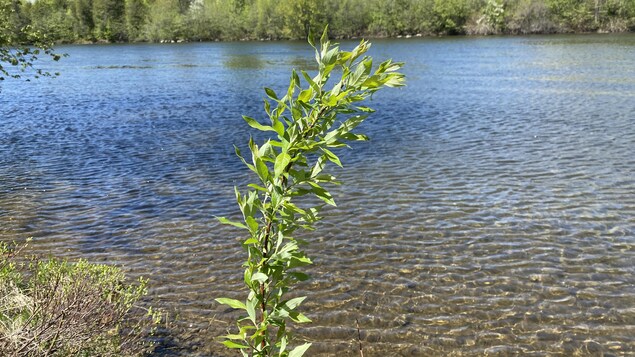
x=351, y=38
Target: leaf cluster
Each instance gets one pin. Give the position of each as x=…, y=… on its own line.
x=14, y=54
x=308, y=123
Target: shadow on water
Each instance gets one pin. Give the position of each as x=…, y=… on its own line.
x=244, y=61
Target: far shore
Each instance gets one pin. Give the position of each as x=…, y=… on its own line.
x=345, y=38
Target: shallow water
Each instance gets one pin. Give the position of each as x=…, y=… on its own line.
x=492, y=213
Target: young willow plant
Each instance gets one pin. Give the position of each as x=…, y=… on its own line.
x=308, y=124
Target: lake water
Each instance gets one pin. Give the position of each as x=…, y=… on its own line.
x=492, y=212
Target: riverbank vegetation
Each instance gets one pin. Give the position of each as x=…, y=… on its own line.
x=53, y=307
x=204, y=20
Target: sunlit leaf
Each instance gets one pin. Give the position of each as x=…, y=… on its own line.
x=232, y=303
x=224, y=220
x=293, y=303
x=254, y=124
x=305, y=95
x=332, y=157
x=282, y=161
x=259, y=277
x=262, y=170
x=232, y=344
x=251, y=309
x=300, y=350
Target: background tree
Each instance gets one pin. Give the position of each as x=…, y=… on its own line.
x=302, y=16
x=16, y=59
x=136, y=12
x=53, y=18
x=265, y=14
x=348, y=18
x=450, y=16
x=164, y=21
x=83, y=19
x=109, y=20
x=159, y=20
x=572, y=15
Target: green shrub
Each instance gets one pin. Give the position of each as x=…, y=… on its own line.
x=56, y=308
x=307, y=124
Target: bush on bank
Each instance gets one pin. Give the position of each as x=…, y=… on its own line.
x=54, y=307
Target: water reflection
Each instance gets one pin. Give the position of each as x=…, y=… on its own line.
x=247, y=61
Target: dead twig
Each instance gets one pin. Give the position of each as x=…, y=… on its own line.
x=359, y=339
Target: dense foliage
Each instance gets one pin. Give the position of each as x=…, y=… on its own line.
x=192, y=20
x=56, y=308
x=14, y=31
x=307, y=125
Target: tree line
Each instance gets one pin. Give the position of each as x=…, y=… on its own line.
x=205, y=20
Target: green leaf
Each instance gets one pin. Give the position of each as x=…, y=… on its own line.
x=259, y=277
x=257, y=187
x=233, y=337
x=252, y=224
x=299, y=318
x=312, y=83
x=372, y=82
x=330, y=57
x=251, y=309
x=247, y=274
x=325, y=36
x=267, y=107
x=300, y=350
x=395, y=80
x=232, y=344
x=365, y=109
x=344, y=56
x=305, y=95
x=278, y=127
x=295, y=77
x=262, y=170
x=326, y=178
x=265, y=149
x=298, y=261
x=332, y=157
x=232, y=303
x=354, y=137
x=281, y=163
x=310, y=38
x=224, y=220
x=319, y=166
x=293, y=303
x=254, y=124
x=250, y=166
x=251, y=241
x=283, y=343
x=332, y=101
x=271, y=94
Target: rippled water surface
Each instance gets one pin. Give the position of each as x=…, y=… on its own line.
x=493, y=212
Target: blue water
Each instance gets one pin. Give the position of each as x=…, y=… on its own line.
x=493, y=211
